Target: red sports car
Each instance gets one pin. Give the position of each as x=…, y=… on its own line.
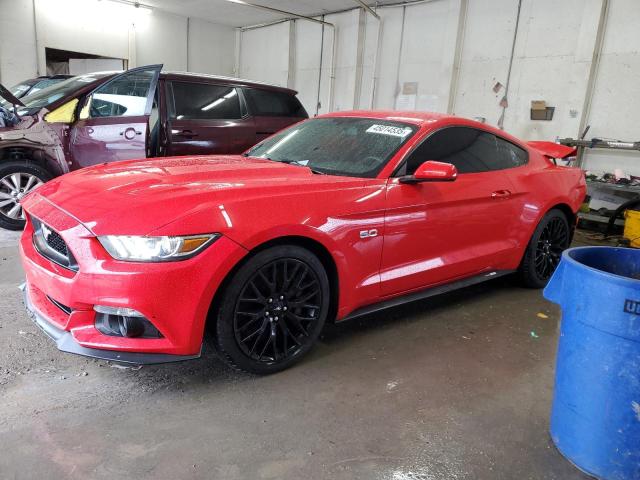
x=334, y=217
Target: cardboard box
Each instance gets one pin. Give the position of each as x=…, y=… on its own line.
x=538, y=105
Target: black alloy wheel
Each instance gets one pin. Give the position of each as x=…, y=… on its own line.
x=543, y=254
x=273, y=310
x=552, y=242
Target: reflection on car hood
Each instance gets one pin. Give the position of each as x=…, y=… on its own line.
x=136, y=197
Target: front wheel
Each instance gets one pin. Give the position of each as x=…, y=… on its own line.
x=550, y=238
x=272, y=310
x=16, y=180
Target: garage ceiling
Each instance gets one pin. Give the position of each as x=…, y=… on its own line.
x=227, y=13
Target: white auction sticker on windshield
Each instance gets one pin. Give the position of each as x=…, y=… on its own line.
x=389, y=130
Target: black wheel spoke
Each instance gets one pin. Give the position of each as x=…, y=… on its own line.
x=277, y=309
x=553, y=239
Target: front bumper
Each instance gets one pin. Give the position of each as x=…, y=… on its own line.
x=65, y=342
x=174, y=296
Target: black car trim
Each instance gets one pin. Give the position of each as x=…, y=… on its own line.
x=426, y=293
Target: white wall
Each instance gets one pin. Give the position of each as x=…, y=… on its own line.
x=551, y=63
x=307, y=63
x=211, y=47
x=109, y=29
x=264, y=54
x=615, y=109
x=552, y=60
x=18, y=59
x=162, y=40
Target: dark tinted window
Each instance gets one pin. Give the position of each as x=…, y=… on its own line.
x=510, y=155
x=265, y=103
x=470, y=150
x=193, y=101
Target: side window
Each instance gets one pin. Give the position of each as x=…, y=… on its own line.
x=470, y=150
x=201, y=101
x=124, y=96
x=510, y=155
x=266, y=103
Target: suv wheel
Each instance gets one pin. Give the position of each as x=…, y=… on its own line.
x=16, y=180
x=272, y=310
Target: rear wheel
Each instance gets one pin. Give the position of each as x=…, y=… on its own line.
x=549, y=240
x=273, y=310
x=16, y=180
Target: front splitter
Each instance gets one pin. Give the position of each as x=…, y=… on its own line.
x=66, y=343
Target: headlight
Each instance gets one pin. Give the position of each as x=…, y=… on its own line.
x=155, y=249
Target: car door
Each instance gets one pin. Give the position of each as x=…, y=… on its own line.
x=114, y=120
x=441, y=231
x=273, y=110
x=206, y=118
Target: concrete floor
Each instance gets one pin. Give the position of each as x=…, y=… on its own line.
x=457, y=387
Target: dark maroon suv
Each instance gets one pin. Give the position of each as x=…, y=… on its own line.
x=105, y=117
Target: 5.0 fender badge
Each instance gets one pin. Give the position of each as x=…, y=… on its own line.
x=369, y=233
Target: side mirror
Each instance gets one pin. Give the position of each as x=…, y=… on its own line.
x=432, y=171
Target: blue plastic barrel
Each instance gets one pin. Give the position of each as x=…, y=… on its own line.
x=595, y=418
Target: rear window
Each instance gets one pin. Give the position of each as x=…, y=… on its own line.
x=201, y=101
x=267, y=103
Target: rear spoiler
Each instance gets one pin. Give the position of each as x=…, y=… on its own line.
x=553, y=150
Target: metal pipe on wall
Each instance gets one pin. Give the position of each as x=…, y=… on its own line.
x=376, y=56
x=508, y=81
x=291, y=15
x=593, y=73
x=457, y=57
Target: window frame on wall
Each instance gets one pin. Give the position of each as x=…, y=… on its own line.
x=401, y=169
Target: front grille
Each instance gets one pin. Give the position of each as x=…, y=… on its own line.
x=51, y=245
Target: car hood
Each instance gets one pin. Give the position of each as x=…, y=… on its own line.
x=139, y=197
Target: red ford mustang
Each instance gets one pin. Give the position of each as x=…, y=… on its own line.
x=329, y=219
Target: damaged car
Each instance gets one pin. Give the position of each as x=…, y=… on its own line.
x=140, y=113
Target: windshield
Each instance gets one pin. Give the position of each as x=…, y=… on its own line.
x=19, y=90
x=50, y=94
x=349, y=146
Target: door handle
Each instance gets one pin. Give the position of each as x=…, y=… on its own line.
x=501, y=194
x=130, y=133
x=184, y=133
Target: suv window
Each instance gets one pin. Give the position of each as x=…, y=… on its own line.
x=124, y=96
x=267, y=103
x=202, y=101
x=469, y=149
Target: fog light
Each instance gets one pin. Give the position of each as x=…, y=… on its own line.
x=124, y=322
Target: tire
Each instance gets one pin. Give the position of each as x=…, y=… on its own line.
x=272, y=310
x=550, y=238
x=16, y=180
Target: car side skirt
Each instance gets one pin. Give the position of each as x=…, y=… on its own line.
x=426, y=293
